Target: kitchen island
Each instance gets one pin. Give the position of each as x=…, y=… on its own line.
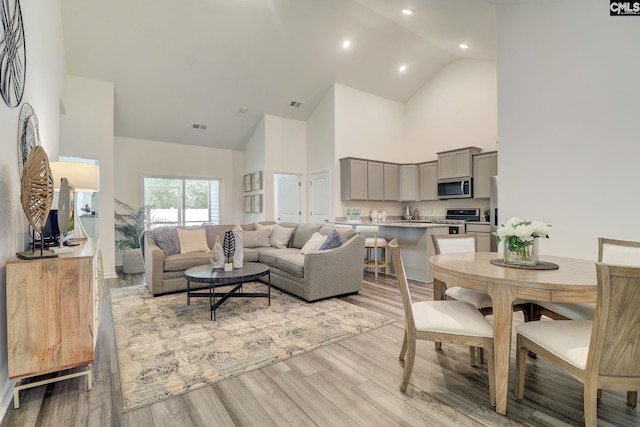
x=414, y=240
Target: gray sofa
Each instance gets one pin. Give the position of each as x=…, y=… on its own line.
x=314, y=276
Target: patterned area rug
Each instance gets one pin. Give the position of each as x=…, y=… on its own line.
x=166, y=348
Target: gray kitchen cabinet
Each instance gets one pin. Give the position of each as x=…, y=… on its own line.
x=483, y=231
x=353, y=179
x=485, y=165
x=456, y=163
x=375, y=181
x=428, y=180
x=409, y=183
x=391, y=182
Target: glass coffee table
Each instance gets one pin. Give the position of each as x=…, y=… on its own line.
x=217, y=277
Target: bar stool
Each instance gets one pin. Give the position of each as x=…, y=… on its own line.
x=372, y=243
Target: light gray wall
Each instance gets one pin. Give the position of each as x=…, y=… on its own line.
x=568, y=108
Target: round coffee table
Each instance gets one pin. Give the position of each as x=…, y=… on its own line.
x=217, y=277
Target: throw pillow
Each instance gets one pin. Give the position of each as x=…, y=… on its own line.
x=333, y=241
x=315, y=241
x=264, y=227
x=167, y=240
x=257, y=239
x=280, y=236
x=193, y=240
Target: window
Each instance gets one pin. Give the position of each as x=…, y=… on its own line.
x=182, y=201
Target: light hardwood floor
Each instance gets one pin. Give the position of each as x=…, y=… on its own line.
x=351, y=383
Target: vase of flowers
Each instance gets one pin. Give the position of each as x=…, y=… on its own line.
x=520, y=238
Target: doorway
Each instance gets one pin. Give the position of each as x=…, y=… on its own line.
x=320, y=197
x=288, y=197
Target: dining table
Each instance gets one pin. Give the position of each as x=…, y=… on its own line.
x=573, y=281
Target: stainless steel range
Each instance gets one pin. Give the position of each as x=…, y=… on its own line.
x=459, y=217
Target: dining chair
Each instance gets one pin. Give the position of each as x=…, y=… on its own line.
x=603, y=353
x=459, y=243
x=610, y=251
x=372, y=244
x=450, y=321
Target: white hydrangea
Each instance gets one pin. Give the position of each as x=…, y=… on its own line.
x=524, y=232
x=540, y=229
x=522, y=229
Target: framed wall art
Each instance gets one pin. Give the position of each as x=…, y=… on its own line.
x=257, y=202
x=257, y=181
x=248, y=182
x=248, y=204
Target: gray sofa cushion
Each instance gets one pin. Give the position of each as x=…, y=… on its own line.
x=251, y=255
x=303, y=233
x=256, y=239
x=292, y=263
x=345, y=233
x=270, y=256
x=179, y=262
x=167, y=240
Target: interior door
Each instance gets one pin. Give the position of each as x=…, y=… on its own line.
x=319, y=197
x=288, y=197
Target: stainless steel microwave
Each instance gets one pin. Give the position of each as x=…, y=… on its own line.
x=455, y=188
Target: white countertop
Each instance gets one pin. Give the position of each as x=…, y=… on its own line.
x=403, y=224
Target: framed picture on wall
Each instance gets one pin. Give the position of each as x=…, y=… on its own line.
x=257, y=180
x=248, y=204
x=248, y=182
x=257, y=203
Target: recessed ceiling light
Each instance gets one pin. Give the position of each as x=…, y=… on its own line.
x=463, y=46
x=346, y=44
x=402, y=68
x=407, y=11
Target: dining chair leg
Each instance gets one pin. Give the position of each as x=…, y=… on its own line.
x=521, y=361
x=408, y=363
x=632, y=398
x=472, y=356
x=590, y=405
x=491, y=372
x=403, y=350
x=438, y=345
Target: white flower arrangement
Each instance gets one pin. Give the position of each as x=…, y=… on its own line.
x=518, y=233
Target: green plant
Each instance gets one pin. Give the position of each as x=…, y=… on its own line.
x=130, y=223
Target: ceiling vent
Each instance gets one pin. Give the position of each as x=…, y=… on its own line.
x=295, y=104
x=200, y=126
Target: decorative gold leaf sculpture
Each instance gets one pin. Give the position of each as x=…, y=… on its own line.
x=36, y=188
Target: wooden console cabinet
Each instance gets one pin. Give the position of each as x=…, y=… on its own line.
x=51, y=315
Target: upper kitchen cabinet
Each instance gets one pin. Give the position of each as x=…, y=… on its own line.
x=428, y=180
x=456, y=163
x=375, y=180
x=485, y=165
x=391, y=182
x=353, y=179
x=409, y=183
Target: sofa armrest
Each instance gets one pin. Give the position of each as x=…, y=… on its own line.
x=335, y=271
x=153, y=264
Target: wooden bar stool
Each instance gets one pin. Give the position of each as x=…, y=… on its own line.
x=372, y=244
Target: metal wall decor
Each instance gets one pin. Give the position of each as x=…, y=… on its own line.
x=13, y=58
x=28, y=134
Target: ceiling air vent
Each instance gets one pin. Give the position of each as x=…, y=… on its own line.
x=295, y=104
x=200, y=126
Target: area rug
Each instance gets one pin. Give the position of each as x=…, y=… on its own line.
x=166, y=348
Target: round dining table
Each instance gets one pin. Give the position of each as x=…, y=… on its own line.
x=573, y=281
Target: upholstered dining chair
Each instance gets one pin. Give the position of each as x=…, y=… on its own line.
x=459, y=243
x=455, y=322
x=372, y=244
x=603, y=353
x=610, y=251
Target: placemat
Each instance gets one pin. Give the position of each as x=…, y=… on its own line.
x=541, y=265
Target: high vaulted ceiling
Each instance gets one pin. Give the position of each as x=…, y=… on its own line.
x=179, y=62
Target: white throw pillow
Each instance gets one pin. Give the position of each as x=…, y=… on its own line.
x=193, y=240
x=315, y=241
x=280, y=236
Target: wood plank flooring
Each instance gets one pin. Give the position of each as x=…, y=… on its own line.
x=354, y=382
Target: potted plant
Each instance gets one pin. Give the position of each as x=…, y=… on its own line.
x=130, y=223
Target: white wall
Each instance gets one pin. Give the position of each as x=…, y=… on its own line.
x=568, y=108
x=455, y=109
x=137, y=157
x=86, y=130
x=255, y=160
x=43, y=90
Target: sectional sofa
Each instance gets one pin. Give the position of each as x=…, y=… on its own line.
x=312, y=276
